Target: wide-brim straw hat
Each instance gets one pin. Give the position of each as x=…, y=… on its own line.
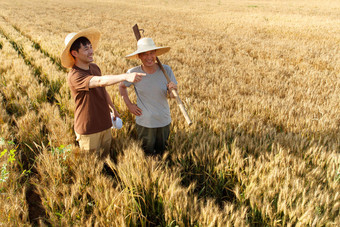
x=145, y=45
x=91, y=34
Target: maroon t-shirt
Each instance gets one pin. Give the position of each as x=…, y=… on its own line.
x=92, y=113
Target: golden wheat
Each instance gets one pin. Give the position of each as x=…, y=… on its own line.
x=260, y=80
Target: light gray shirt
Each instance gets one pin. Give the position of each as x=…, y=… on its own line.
x=151, y=94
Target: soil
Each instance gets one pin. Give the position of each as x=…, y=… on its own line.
x=37, y=214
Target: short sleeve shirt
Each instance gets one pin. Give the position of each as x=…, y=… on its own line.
x=151, y=94
x=92, y=113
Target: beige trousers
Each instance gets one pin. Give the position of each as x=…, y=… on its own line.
x=99, y=142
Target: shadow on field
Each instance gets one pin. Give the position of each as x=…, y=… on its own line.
x=199, y=166
x=256, y=144
x=36, y=211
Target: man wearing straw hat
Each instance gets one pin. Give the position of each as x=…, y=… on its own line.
x=152, y=109
x=92, y=120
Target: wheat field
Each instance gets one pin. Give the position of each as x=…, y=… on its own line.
x=260, y=80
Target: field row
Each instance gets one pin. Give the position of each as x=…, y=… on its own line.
x=33, y=87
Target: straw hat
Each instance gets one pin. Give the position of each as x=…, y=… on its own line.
x=92, y=34
x=145, y=45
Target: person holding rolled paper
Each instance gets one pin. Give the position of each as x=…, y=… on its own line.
x=92, y=116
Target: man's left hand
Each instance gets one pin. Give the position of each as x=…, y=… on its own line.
x=115, y=114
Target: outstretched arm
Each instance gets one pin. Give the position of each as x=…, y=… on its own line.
x=107, y=80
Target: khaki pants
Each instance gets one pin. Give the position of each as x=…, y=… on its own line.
x=99, y=142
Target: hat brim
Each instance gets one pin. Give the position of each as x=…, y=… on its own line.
x=91, y=34
x=159, y=51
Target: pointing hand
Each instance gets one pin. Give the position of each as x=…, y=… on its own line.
x=134, y=77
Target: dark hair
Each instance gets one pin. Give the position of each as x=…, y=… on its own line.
x=76, y=44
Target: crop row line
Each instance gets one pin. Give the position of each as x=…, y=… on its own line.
x=15, y=97
x=12, y=105
x=8, y=105
x=55, y=60
x=53, y=86
x=28, y=61
x=38, y=47
x=31, y=88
